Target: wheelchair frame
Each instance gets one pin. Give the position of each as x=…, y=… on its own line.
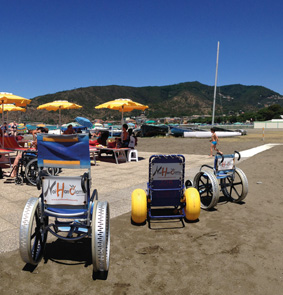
x=165, y=192
x=27, y=168
x=75, y=214
x=233, y=182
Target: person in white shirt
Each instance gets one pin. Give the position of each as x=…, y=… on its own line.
x=132, y=139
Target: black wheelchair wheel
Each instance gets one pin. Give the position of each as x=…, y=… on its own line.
x=235, y=186
x=207, y=185
x=31, y=171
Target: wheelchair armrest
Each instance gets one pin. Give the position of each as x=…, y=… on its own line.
x=239, y=155
x=210, y=167
x=222, y=157
x=205, y=166
x=94, y=195
x=85, y=182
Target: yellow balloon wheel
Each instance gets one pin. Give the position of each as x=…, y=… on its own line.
x=192, y=208
x=139, y=206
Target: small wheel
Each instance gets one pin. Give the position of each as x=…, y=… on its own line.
x=207, y=185
x=19, y=180
x=100, y=236
x=32, y=232
x=235, y=187
x=192, y=208
x=139, y=206
x=188, y=183
x=31, y=171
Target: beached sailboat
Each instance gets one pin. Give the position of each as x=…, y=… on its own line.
x=220, y=132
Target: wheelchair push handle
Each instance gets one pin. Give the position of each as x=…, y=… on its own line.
x=222, y=157
x=239, y=155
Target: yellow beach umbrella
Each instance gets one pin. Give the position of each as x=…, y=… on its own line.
x=19, y=101
x=122, y=105
x=59, y=105
x=7, y=98
x=11, y=108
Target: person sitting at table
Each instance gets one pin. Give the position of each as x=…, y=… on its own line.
x=69, y=130
x=4, y=129
x=125, y=136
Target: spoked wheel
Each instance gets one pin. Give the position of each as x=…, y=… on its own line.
x=235, y=187
x=207, y=185
x=100, y=240
x=32, y=235
x=31, y=171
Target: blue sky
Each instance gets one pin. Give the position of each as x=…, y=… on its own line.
x=54, y=45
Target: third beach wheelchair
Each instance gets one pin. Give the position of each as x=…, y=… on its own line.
x=166, y=192
x=66, y=207
x=233, y=182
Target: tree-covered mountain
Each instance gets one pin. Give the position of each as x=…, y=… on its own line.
x=176, y=100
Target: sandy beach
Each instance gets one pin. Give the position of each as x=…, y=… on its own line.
x=234, y=249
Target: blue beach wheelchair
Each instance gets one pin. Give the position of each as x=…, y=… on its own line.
x=65, y=208
x=166, y=193
x=233, y=182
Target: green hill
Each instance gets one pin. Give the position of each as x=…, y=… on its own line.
x=176, y=100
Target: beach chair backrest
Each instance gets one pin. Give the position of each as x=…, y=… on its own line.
x=166, y=179
x=63, y=151
x=227, y=163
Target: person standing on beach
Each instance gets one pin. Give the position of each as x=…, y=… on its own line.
x=214, y=142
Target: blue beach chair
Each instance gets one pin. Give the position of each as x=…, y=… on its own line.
x=166, y=193
x=233, y=182
x=66, y=208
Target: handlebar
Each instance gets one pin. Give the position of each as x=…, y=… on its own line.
x=239, y=155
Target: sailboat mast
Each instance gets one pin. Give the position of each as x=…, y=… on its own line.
x=215, y=85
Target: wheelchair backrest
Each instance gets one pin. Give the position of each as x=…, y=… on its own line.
x=224, y=162
x=63, y=151
x=166, y=179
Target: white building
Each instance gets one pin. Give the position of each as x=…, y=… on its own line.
x=274, y=123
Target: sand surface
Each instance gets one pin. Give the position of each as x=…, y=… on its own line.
x=234, y=249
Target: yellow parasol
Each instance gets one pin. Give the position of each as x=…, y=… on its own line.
x=122, y=105
x=9, y=98
x=11, y=108
x=59, y=105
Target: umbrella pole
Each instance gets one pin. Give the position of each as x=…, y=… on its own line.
x=60, y=119
x=2, y=124
x=122, y=122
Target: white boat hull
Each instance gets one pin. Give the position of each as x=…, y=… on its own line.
x=206, y=134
